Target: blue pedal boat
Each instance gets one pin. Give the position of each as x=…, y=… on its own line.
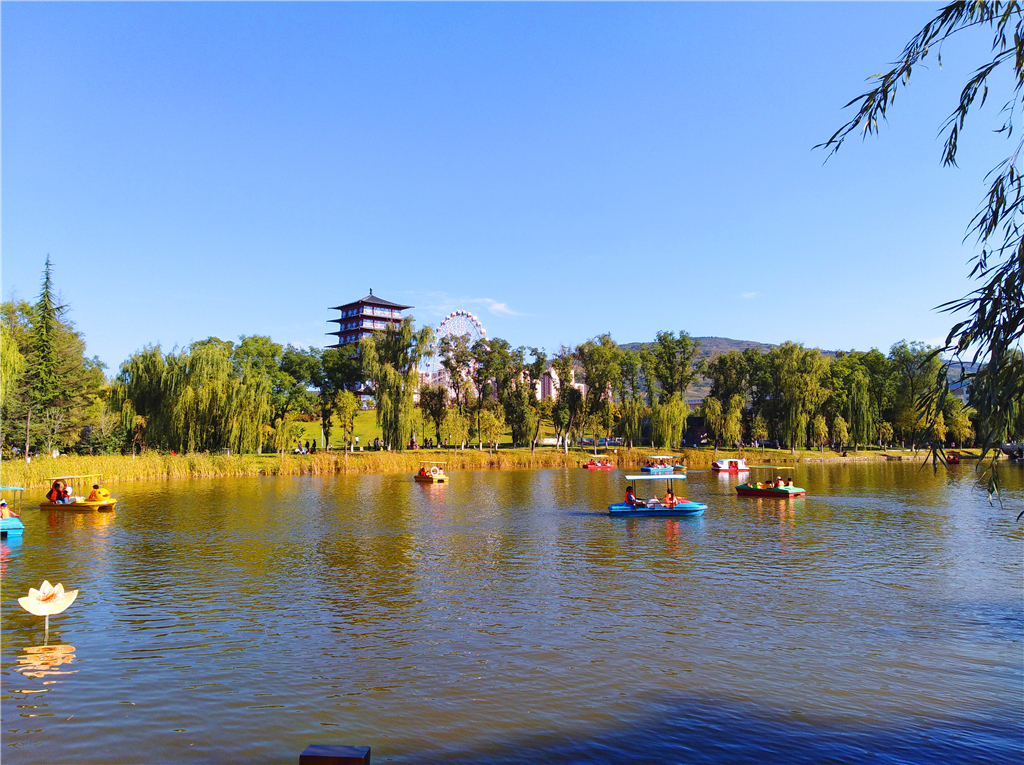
x=10, y=517
x=662, y=464
x=656, y=506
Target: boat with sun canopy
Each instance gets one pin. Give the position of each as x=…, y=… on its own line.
x=10, y=515
x=79, y=490
x=433, y=474
x=777, y=487
x=662, y=506
x=661, y=463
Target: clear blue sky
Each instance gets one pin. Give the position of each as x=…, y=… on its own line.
x=561, y=170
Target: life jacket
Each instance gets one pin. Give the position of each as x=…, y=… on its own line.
x=55, y=494
x=630, y=497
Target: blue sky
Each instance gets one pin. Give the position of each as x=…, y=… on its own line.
x=560, y=170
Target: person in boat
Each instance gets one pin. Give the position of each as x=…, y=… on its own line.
x=779, y=483
x=423, y=471
x=670, y=499
x=630, y=496
x=789, y=482
x=57, y=494
x=4, y=511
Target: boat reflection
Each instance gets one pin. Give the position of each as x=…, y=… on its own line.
x=8, y=548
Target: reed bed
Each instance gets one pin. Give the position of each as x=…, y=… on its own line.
x=153, y=465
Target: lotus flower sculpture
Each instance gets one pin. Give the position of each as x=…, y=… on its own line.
x=47, y=600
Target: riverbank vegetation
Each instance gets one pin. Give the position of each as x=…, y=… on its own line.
x=256, y=397
x=152, y=465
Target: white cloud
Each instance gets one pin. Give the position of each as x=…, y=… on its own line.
x=748, y=295
x=495, y=307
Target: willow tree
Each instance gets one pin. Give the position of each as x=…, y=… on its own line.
x=991, y=332
x=714, y=419
x=799, y=373
x=859, y=412
x=819, y=432
x=12, y=364
x=391, y=363
x=194, y=400
x=732, y=426
x=455, y=428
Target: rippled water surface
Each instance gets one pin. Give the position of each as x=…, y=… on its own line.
x=505, y=618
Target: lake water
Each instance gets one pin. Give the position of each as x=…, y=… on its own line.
x=504, y=618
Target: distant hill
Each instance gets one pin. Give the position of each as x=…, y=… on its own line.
x=712, y=346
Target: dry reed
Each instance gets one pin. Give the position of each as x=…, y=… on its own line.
x=152, y=465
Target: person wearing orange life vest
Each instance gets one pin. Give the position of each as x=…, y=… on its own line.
x=56, y=494
x=4, y=511
x=630, y=496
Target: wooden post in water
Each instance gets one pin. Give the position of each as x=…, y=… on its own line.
x=328, y=754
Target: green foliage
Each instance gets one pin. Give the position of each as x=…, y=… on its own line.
x=630, y=425
x=960, y=427
x=346, y=408
x=885, y=433
x=455, y=427
x=457, y=361
x=12, y=364
x=840, y=431
x=819, y=431
x=732, y=421
x=714, y=418
x=991, y=334
x=674, y=363
x=492, y=425
x=668, y=422
x=915, y=370
x=759, y=429
x=54, y=386
x=728, y=373
x=195, y=400
x=434, y=403
x=938, y=428
x=391, y=362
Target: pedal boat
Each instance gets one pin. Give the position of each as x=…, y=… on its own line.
x=598, y=466
x=730, y=466
x=105, y=504
x=10, y=523
x=751, y=488
x=664, y=463
x=654, y=507
x=435, y=474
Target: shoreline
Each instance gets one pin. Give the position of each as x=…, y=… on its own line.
x=157, y=466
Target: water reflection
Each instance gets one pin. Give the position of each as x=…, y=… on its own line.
x=46, y=661
x=504, y=616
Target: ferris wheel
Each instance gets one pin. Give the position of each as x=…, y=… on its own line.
x=454, y=324
x=460, y=323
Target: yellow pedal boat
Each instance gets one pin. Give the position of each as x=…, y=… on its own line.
x=435, y=474
x=104, y=503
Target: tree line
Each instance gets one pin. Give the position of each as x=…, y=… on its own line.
x=253, y=395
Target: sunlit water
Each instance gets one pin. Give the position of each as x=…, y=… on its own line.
x=506, y=618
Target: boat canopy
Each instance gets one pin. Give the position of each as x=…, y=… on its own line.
x=653, y=477
x=432, y=462
x=662, y=457
x=12, y=488
x=70, y=477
